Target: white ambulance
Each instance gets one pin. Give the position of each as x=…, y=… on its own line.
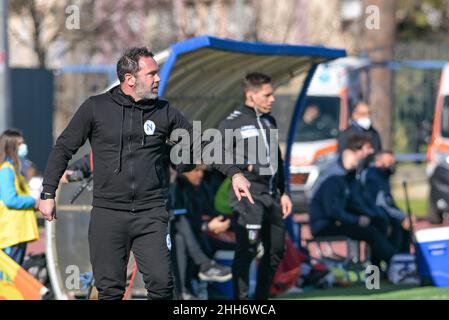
x=334, y=88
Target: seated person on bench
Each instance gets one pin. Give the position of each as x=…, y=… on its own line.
x=329, y=215
x=376, y=186
x=359, y=203
x=187, y=203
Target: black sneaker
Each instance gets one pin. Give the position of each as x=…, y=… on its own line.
x=212, y=271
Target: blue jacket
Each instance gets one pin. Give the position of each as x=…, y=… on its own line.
x=330, y=197
x=362, y=202
x=8, y=193
x=376, y=185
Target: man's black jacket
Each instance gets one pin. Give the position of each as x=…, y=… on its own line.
x=330, y=198
x=254, y=128
x=128, y=141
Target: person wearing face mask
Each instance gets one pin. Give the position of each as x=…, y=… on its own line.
x=329, y=206
x=18, y=224
x=358, y=203
x=360, y=123
x=376, y=186
x=25, y=163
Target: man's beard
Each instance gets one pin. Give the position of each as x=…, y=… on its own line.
x=143, y=93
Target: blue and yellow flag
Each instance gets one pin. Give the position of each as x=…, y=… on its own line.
x=16, y=283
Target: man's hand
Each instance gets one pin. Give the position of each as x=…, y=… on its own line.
x=286, y=205
x=219, y=225
x=364, y=221
x=406, y=223
x=241, y=187
x=65, y=177
x=48, y=209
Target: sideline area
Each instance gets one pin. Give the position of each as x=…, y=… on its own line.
x=387, y=291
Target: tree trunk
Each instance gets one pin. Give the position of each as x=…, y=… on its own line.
x=38, y=47
x=378, y=43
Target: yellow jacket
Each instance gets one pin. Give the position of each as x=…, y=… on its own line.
x=17, y=226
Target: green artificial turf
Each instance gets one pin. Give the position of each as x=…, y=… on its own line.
x=387, y=291
x=418, y=207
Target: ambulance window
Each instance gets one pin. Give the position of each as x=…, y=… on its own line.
x=445, y=118
x=319, y=120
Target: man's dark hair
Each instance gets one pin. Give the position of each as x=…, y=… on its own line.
x=254, y=80
x=129, y=61
x=356, y=142
x=357, y=103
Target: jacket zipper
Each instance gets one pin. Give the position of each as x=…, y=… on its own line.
x=267, y=151
x=130, y=160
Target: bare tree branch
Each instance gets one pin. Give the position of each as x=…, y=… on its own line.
x=289, y=25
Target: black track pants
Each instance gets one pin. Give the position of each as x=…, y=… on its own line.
x=113, y=233
x=267, y=213
x=380, y=247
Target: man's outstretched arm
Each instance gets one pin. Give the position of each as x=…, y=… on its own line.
x=240, y=184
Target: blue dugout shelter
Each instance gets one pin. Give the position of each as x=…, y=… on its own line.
x=202, y=78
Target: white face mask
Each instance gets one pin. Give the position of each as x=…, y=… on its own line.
x=22, y=151
x=365, y=123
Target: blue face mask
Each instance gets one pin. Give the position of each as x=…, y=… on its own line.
x=22, y=151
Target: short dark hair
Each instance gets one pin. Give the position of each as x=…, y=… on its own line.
x=129, y=61
x=254, y=80
x=356, y=142
x=358, y=102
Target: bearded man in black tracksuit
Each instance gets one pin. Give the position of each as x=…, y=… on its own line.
x=262, y=221
x=127, y=128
